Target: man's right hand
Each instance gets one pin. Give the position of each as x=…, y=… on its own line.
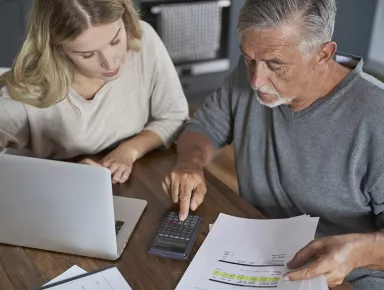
x=186, y=185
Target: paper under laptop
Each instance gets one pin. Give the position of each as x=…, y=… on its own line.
x=241, y=253
x=76, y=278
x=70, y=273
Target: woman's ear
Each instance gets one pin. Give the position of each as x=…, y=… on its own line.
x=60, y=49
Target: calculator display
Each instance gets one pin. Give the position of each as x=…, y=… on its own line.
x=171, y=243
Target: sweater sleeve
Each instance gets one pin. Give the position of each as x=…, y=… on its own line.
x=169, y=107
x=377, y=203
x=14, y=125
x=214, y=119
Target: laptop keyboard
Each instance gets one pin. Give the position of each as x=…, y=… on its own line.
x=118, y=226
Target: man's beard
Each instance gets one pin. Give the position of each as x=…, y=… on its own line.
x=277, y=98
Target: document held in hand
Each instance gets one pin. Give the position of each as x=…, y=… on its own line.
x=241, y=253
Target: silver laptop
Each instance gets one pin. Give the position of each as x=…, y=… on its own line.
x=64, y=207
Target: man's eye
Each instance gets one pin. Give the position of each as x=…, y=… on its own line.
x=247, y=59
x=274, y=66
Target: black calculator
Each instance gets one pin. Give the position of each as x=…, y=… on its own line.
x=175, y=238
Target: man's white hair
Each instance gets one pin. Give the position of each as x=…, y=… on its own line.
x=315, y=19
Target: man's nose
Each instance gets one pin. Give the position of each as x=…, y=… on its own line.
x=258, y=76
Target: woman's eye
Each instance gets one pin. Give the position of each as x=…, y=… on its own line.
x=115, y=42
x=88, y=56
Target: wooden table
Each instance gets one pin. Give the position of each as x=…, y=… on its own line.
x=22, y=268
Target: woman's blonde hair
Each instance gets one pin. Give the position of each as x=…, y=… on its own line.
x=41, y=76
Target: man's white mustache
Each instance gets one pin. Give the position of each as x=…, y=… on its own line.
x=266, y=90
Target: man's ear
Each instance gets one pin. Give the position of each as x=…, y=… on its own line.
x=326, y=53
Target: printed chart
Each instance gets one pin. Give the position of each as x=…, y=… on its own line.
x=237, y=271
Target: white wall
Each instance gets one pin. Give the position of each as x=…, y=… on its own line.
x=376, y=52
x=3, y=70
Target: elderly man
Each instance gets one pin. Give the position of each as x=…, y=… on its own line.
x=308, y=134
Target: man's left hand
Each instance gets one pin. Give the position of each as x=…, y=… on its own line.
x=120, y=162
x=335, y=257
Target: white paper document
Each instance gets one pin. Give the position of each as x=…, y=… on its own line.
x=109, y=279
x=243, y=253
x=71, y=272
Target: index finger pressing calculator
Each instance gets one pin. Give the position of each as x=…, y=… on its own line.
x=175, y=238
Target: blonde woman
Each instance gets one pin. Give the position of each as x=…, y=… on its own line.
x=91, y=76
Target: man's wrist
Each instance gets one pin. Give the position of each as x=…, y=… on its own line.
x=190, y=163
x=371, y=250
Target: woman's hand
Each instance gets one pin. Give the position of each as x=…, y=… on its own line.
x=120, y=162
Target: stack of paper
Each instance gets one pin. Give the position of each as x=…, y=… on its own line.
x=239, y=253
